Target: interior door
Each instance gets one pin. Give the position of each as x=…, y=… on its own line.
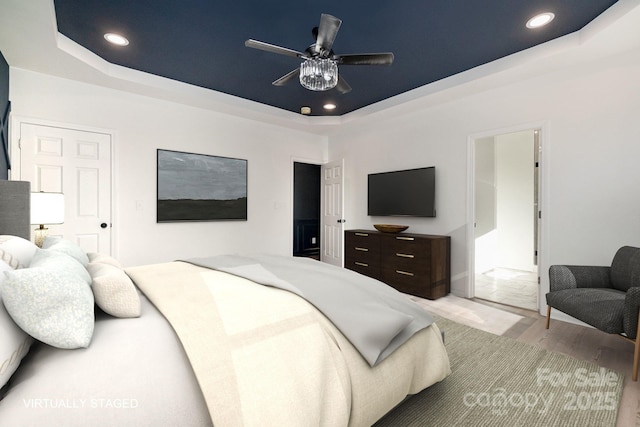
x=76, y=163
x=332, y=214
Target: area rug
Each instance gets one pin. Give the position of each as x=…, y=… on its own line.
x=497, y=381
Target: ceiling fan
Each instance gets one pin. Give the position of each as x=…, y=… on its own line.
x=319, y=68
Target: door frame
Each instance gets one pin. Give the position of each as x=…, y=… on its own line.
x=15, y=153
x=321, y=163
x=543, y=205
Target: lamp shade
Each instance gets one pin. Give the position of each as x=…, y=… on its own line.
x=47, y=208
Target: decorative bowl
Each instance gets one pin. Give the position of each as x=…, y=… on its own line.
x=390, y=228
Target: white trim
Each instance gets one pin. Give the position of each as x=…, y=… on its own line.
x=544, y=127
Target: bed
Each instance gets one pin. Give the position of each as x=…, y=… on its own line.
x=200, y=342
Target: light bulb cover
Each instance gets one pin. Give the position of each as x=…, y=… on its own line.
x=319, y=74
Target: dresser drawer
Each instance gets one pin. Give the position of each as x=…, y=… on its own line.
x=362, y=241
x=407, y=245
x=362, y=246
x=414, y=264
x=366, y=265
x=413, y=283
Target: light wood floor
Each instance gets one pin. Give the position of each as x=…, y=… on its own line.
x=528, y=326
x=507, y=286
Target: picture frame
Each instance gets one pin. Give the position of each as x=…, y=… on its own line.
x=200, y=187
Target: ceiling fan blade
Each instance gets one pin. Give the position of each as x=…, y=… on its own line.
x=365, y=59
x=327, y=32
x=342, y=86
x=287, y=77
x=255, y=44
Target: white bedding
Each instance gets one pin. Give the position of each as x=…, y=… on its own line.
x=275, y=361
x=134, y=373
x=265, y=357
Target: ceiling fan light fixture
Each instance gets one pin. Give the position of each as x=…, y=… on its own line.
x=319, y=74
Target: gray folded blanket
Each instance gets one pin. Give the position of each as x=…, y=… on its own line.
x=373, y=316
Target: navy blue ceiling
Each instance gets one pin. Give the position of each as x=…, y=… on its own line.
x=201, y=42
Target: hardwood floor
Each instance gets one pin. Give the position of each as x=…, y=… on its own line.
x=508, y=286
x=528, y=326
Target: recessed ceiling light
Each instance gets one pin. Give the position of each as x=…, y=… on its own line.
x=116, y=39
x=540, y=20
x=329, y=106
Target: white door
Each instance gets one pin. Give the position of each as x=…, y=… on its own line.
x=76, y=163
x=332, y=216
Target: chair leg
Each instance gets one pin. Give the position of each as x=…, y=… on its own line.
x=636, y=353
x=636, y=358
x=548, y=316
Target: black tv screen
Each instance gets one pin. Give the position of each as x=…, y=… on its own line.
x=402, y=193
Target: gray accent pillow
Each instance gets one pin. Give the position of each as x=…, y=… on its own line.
x=52, y=305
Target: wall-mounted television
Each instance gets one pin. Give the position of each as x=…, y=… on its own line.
x=402, y=193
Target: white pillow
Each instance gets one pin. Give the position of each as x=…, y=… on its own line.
x=51, y=305
x=49, y=258
x=67, y=247
x=16, y=251
x=104, y=259
x=14, y=342
x=114, y=291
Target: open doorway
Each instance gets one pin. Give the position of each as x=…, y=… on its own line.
x=506, y=218
x=306, y=210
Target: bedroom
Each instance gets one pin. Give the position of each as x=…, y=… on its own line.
x=582, y=91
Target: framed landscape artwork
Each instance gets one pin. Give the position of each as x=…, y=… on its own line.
x=200, y=187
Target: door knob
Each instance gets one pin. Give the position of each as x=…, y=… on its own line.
x=103, y=225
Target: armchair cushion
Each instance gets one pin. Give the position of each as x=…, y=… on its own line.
x=625, y=268
x=601, y=308
x=578, y=276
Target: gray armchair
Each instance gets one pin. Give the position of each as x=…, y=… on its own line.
x=607, y=298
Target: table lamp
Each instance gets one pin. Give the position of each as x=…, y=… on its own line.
x=46, y=208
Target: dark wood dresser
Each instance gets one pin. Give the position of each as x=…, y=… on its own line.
x=417, y=264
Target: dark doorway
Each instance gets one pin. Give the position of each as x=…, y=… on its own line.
x=306, y=210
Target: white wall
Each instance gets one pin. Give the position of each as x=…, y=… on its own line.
x=143, y=125
x=515, y=201
x=586, y=105
x=504, y=202
x=589, y=114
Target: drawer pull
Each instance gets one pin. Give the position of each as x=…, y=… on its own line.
x=405, y=238
x=361, y=264
x=405, y=255
x=361, y=234
x=361, y=249
x=405, y=273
